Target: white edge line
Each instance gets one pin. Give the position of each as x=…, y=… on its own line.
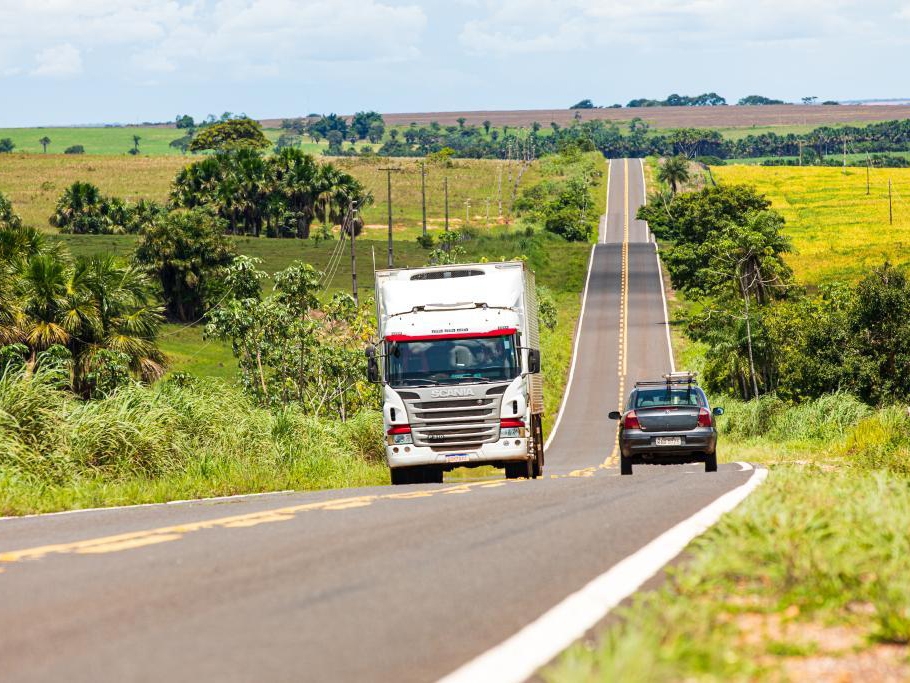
x=520, y=656
x=660, y=272
x=607, y=204
x=581, y=321
x=149, y=505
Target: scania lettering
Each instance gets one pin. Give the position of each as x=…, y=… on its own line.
x=459, y=362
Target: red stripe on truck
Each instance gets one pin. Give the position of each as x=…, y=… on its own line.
x=455, y=335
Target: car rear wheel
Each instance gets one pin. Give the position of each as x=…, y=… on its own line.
x=711, y=462
x=625, y=465
x=517, y=470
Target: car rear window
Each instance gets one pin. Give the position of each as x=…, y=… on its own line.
x=649, y=398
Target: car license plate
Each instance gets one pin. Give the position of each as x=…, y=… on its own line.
x=457, y=457
x=668, y=441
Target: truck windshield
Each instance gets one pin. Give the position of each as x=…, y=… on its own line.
x=452, y=361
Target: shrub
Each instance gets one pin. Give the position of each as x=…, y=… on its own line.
x=74, y=149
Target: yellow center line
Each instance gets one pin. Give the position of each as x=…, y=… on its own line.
x=146, y=537
x=623, y=360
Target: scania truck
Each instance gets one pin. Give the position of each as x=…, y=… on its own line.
x=459, y=363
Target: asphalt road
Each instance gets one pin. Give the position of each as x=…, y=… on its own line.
x=403, y=584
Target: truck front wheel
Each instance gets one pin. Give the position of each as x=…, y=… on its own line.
x=537, y=435
x=518, y=470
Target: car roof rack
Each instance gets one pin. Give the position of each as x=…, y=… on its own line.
x=671, y=378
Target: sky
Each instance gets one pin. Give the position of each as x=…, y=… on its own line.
x=67, y=62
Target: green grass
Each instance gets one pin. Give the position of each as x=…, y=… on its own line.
x=34, y=183
x=115, y=140
x=813, y=568
x=168, y=441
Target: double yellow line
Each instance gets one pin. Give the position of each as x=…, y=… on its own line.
x=622, y=366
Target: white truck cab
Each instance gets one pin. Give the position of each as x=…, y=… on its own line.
x=459, y=361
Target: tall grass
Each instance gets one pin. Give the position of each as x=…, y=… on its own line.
x=147, y=444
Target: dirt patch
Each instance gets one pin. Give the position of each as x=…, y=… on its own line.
x=811, y=651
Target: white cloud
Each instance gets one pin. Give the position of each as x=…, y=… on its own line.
x=246, y=38
x=528, y=26
x=58, y=60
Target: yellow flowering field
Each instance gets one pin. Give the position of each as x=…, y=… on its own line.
x=838, y=231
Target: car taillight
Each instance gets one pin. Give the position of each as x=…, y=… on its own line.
x=631, y=421
x=704, y=417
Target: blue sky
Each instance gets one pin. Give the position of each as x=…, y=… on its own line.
x=94, y=61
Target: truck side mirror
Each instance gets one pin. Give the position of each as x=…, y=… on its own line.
x=533, y=361
x=372, y=365
x=614, y=415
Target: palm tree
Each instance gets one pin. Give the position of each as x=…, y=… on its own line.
x=674, y=172
x=127, y=316
x=296, y=175
x=44, y=142
x=80, y=210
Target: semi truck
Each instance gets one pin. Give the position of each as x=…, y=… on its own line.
x=458, y=358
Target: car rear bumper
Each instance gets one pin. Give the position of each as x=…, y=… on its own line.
x=639, y=445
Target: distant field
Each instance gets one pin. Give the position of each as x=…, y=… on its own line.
x=838, y=231
x=34, y=182
x=155, y=141
x=666, y=117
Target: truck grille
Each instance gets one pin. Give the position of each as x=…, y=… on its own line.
x=454, y=424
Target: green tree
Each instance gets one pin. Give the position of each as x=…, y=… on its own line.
x=8, y=217
x=44, y=142
x=584, y=104
x=74, y=149
x=230, y=134
x=184, y=121
x=363, y=121
x=674, y=172
x=376, y=131
x=81, y=210
x=184, y=252
x=6, y=145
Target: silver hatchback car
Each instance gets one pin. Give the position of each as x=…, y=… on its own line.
x=667, y=422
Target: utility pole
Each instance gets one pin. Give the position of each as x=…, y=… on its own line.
x=845, y=155
x=389, y=170
x=445, y=183
x=800, y=152
x=488, y=212
x=423, y=194
x=500, y=189
x=351, y=220
x=467, y=211
x=868, y=187
x=890, y=206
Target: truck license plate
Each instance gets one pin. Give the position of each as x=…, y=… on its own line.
x=668, y=441
x=457, y=457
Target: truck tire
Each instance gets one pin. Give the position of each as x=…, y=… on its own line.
x=537, y=436
x=432, y=475
x=625, y=465
x=523, y=469
x=711, y=462
x=403, y=476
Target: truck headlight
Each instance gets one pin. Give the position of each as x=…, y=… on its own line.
x=511, y=429
x=400, y=435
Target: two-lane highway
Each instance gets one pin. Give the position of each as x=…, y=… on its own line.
x=400, y=584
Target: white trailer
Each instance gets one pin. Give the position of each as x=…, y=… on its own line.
x=459, y=362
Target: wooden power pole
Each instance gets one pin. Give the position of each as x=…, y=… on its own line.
x=352, y=215
x=389, y=170
x=423, y=194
